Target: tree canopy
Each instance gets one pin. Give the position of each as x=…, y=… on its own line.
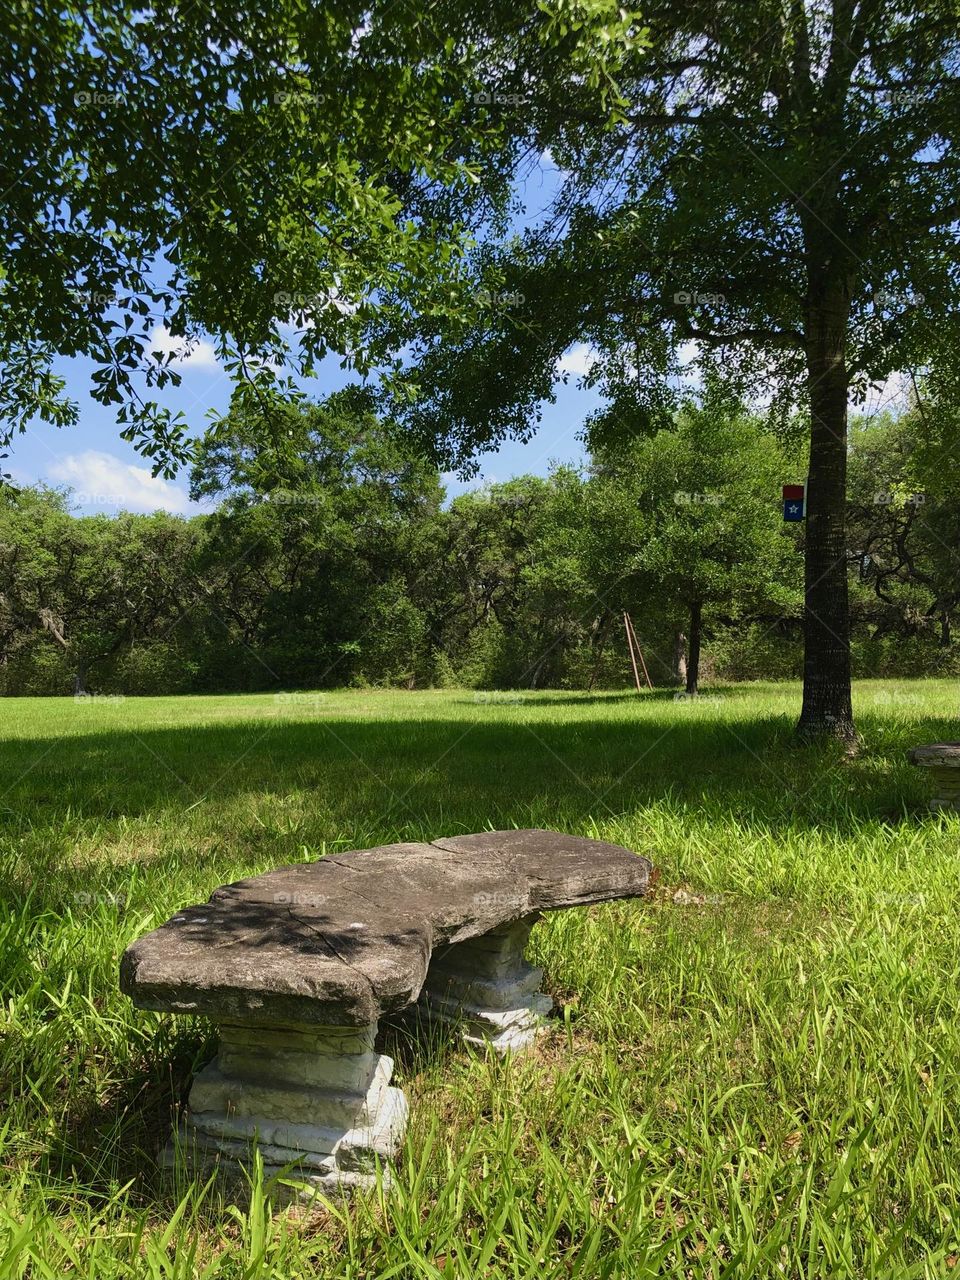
x=780, y=188
x=259, y=173
x=351, y=568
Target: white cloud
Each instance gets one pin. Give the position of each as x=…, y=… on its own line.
x=104, y=480
x=201, y=356
x=549, y=165
x=688, y=352
x=578, y=360
x=893, y=394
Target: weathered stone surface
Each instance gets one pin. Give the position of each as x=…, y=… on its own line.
x=346, y=939
x=941, y=760
x=945, y=752
x=316, y=1101
x=487, y=989
x=297, y=966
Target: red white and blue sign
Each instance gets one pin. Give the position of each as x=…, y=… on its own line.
x=794, y=501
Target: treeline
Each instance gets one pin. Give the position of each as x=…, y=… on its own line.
x=332, y=559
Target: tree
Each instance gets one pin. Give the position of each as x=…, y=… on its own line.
x=904, y=530
x=699, y=528
x=89, y=586
x=779, y=187
x=327, y=530
x=238, y=169
x=512, y=599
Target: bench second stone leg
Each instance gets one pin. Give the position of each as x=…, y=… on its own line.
x=488, y=988
x=316, y=1100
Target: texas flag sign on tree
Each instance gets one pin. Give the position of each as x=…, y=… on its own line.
x=794, y=501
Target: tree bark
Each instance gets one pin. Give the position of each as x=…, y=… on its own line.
x=598, y=642
x=693, y=650
x=945, y=639
x=680, y=658
x=827, y=708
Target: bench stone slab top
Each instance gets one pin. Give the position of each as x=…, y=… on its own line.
x=347, y=939
x=936, y=752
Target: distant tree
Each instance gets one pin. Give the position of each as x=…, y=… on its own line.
x=87, y=586
x=691, y=520
x=512, y=567
x=319, y=558
x=905, y=520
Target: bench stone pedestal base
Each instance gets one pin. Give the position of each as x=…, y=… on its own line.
x=316, y=1100
x=487, y=988
x=941, y=760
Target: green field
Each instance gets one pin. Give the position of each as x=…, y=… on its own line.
x=756, y=1071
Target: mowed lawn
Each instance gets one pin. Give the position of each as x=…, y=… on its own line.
x=755, y=1072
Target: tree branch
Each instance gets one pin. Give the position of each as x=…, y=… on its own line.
x=776, y=337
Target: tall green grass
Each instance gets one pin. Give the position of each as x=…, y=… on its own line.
x=753, y=1073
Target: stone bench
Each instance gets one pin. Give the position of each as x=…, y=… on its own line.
x=297, y=968
x=941, y=760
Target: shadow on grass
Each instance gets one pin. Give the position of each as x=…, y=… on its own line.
x=115, y=1140
x=401, y=779
x=362, y=782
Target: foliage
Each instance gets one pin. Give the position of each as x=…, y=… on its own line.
x=730, y=206
x=332, y=560
x=690, y=518
x=257, y=173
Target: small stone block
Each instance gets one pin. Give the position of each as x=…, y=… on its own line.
x=942, y=761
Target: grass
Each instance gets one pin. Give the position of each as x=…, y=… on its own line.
x=754, y=1073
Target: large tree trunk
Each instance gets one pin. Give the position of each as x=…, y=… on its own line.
x=693, y=650
x=827, y=709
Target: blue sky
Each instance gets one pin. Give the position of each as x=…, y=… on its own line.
x=107, y=475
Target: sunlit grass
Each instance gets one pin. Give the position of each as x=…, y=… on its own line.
x=756, y=1072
